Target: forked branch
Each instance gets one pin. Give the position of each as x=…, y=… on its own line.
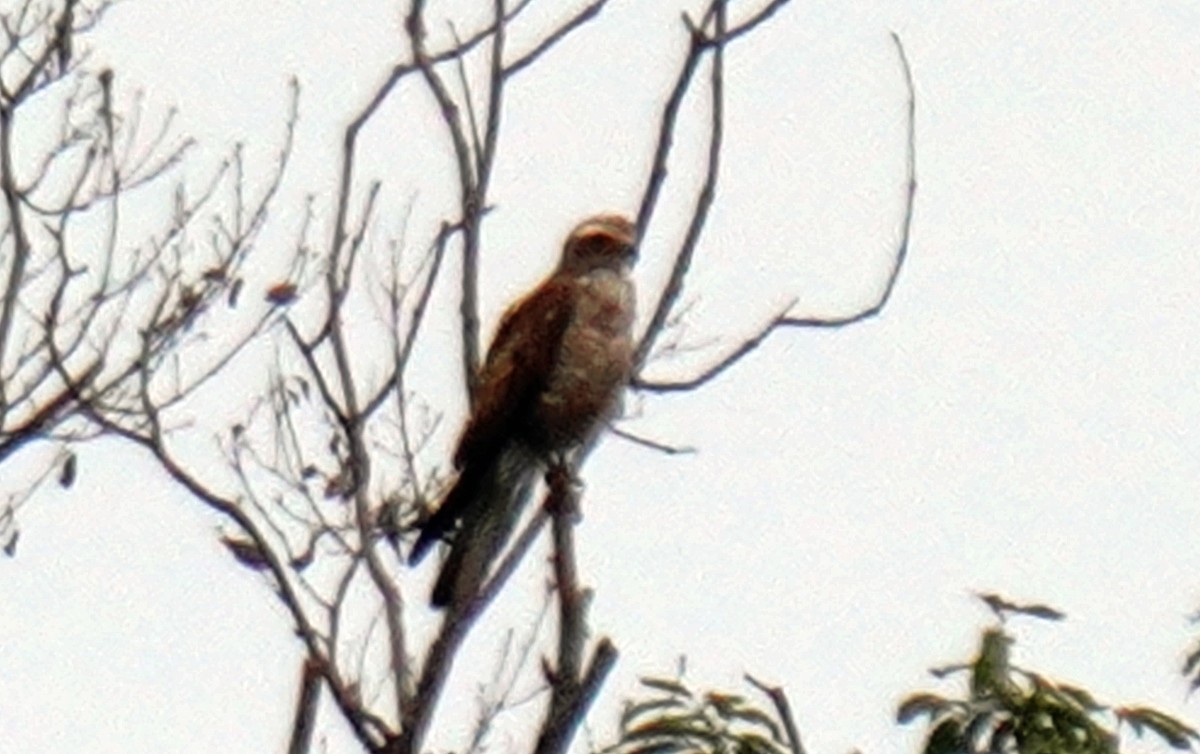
x=785, y=319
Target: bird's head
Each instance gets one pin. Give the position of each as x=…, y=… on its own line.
x=600, y=242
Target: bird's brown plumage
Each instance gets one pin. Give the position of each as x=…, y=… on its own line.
x=552, y=375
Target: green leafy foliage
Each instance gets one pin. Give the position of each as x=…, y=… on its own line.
x=1011, y=710
x=1171, y=730
x=673, y=719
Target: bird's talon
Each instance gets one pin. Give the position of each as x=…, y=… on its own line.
x=560, y=480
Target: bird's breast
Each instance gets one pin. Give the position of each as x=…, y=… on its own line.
x=593, y=361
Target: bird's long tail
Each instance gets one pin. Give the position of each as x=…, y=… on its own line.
x=489, y=506
x=453, y=507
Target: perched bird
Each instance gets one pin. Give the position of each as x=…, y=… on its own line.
x=552, y=376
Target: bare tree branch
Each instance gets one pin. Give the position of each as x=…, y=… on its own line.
x=763, y=15
x=458, y=621
x=783, y=708
x=671, y=450
x=585, y=14
x=308, y=498
x=662, y=151
x=471, y=187
x=21, y=251
x=784, y=319
x=683, y=258
x=306, y=708
x=367, y=726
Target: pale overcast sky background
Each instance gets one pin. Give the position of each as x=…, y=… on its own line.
x=1022, y=417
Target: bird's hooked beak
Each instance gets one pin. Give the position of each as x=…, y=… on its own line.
x=632, y=251
x=629, y=251
x=626, y=235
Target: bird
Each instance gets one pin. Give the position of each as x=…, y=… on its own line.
x=552, y=377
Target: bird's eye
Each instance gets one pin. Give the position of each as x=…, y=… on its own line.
x=594, y=245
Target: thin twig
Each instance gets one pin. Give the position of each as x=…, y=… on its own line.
x=752, y=23
x=587, y=13
x=21, y=249
x=671, y=450
x=662, y=151
x=486, y=155
x=784, y=709
x=369, y=728
x=459, y=619
x=784, y=319
x=414, y=324
x=699, y=46
x=683, y=258
x=470, y=198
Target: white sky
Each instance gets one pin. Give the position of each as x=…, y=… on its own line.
x=1020, y=419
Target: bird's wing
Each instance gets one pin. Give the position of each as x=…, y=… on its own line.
x=521, y=358
x=519, y=362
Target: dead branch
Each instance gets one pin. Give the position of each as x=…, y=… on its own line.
x=305, y=720
x=368, y=727
x=571, y=689
x=784, y=709
x=458, y=621
x=302, y=502
x=586, y=14
x=700, y=44
x=671, y=450
x=80, y=328
x=515, y=659
x=784, y=319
